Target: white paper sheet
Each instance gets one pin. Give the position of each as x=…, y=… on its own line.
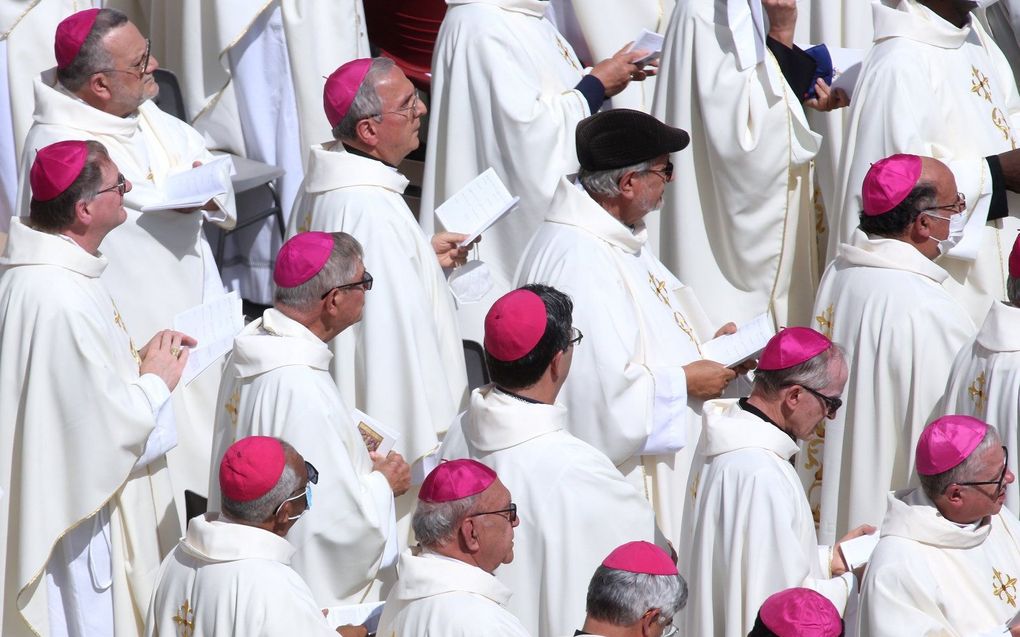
x=846, y=68
x=648, y=41
x=356, y=615
x=476, y=206
x=750, y=338
x=858, y=551
x=214, y=325
x=377, y=436
x=195, y=187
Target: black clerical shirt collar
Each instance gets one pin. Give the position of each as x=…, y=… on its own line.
x=360, y=153
x=519, y=397
x=748, y=407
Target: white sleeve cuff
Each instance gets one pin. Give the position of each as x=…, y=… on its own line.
x=669, y=412
x=163, y=437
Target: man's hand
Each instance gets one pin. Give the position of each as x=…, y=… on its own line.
x=165, y=356
x=838, y=566
x=616, y=72
x=1010, y=163
x=782, y=19
x=707, y=379
x=396, y=471
x=352, y=631
x=445, y=246
x=209, y=205
x=829, y=99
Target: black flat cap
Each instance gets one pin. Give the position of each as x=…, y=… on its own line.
x=624, y=137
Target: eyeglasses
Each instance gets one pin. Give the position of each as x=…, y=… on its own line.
x=575, y=336
x=140, y=69
x=997, y=483
x=666, y=173
x=120, y=186
x=313, y=478
x=412, y=108
x=365, y=283
x=832, y=404
x=957, y=206
x=509, y=514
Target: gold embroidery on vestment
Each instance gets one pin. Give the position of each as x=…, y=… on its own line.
x=231, y=407
x=566, y=53
x=1002, y=585
x=977, y=393
x=979, y=84
x=185, y=620
x=824, y=321
x=120, y=323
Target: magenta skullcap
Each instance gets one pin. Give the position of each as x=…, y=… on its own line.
x=55, y=168
x=341, y=87
x=456, y=480
x=71, y=34
x=640, y=557
x=888, y=183
x=301, y=258
x=800, y=612
x=1014, y=258
x=946, y=442
x=792, y=346
x=514, y=325
x=251, y=467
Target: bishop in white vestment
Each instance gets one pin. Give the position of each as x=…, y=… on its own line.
x=160, y=261
x=277, y=383
x=935, y=88
x=883, y=300
x=949, y=555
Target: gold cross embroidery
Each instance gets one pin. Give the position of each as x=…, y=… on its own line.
x=1002, y=586
x=977, y=393
x=694, y=486
x=999, y=121
x=185, y=620
x=566, y=54
x=813, y=455
x=824, y=321
x=306, y=224
x=131, y=343
x=979, y=84
x=659, y=287
x=231, y=407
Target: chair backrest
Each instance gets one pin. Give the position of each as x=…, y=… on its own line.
x=170, y=99
x=406, y=33
x=474, y=358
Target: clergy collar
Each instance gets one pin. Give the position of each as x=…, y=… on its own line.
x=360, y=153
x=914, y=21
x=748, y=407
x=332, y=167
x=573, y=206
x=890, y=254
x=496, y=419
x=511, y=394
x=28, y=246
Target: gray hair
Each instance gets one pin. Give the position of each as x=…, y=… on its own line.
x=621, y=597
x=260, y=509
x=606, y=183
x=57, y=214
x=339, y=269
x=93, y=56
x=1013, y=290
x=813, y=373
x=366, y=101
x=435, y=523
x=966, y=471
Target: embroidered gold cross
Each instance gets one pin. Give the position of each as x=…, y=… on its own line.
x=977, y=393
x=1002, y=586
x=566, y=54
x=659, y=287
x=185, y=620
x=979, y=84
x=131, y=343
x=231, y=407
x=824, y=321
x=1000, y=122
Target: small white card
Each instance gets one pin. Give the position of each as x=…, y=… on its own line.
x=857, y=552
x=377, y=436
x=214, y=324
x=478, y=205
x=366, y=615
x=194, y=187
x=648, y=41
x=749, y=339
x=846, y=68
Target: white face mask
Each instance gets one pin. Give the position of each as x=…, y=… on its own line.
x=957, y=223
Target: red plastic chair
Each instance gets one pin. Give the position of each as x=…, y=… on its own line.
x=405, y=31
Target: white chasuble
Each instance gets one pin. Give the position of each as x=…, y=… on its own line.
x=575, y=507
x=160, y=262
x=938, y=578
x=502, y=97
x=233, y=578
x=738, y=224
x=277, y=383
x=884, y=303
x=985, y=382
x=403, y=363
x=929, y=88
x=626, y=394
x=751, y=533
x=82, y=453
x=437, y=595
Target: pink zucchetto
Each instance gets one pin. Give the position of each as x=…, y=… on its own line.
x=946, y=442
x=1014, y=258
x=640, y=557
x=301, y=258
x=251, y=467
x=888, y=183
x=792, y=346
x=456, y=480
x=71, y=34
x=800, y=612
x=514, y=325
x=341, y=87
x=55, y=168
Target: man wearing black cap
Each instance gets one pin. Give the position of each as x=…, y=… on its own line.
x=635, y=392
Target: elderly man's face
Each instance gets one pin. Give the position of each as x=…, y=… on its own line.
x=495, y=530
x=649, y=187
x=813, y=409
x=401, y=116
x=986, y=499
x=130, y=76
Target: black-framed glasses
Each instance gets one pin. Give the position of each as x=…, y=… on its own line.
x=997, y=483
x=407, y=111
x=365, y=283
x=120, y=186
x=575, y=336
x=509, y=514
x=140, y=69
x=666, y=172
x=957, y=206
x=832, y=403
